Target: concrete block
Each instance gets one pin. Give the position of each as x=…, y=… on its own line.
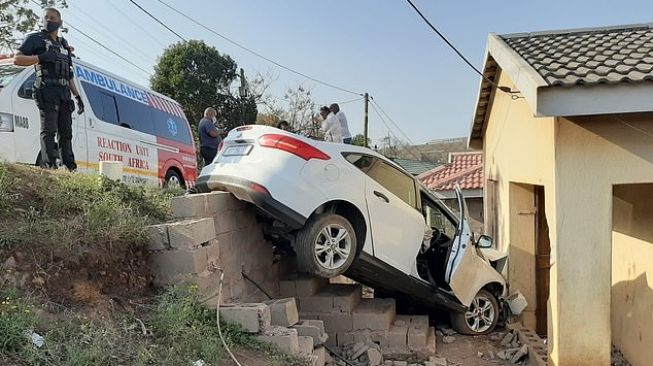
x=284, y=338
x=172, y=266
x=316, y=323
x=402, y=320
x=438, y=361
x=397, y=339
x=218, y=202
x=305, y=346
x=283, y=312
x=345, y=297
x=309, y=286
x=337, y=322
x=344, y=339
x=332, y=341
x=158, y=237
x=253, y=318
x=318, y=303
x=189, y=206
x=304, y=328
x=189, y=234
x=374, y=356
x=320, y=353
x=418, y=333
x=374, y=314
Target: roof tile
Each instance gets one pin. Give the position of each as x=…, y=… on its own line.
x=465, y=169
x=583, y=57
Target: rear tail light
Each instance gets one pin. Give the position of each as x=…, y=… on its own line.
x=220, y=146
x=292, y=145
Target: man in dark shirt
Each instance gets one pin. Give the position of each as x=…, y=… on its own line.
x=52, y=58
x=209, y=135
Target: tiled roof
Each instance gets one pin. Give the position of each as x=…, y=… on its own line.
x=465, y=169
x=414, y=167
x=590, y=56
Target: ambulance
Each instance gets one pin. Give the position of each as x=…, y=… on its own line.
x=146, y=131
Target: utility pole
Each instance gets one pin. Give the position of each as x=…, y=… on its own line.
x=242, y=91
x=365, y=131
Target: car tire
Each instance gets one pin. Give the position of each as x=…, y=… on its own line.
x=173, y=180
x=480, y=318
x=325, y=256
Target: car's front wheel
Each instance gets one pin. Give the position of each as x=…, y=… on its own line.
x=326, y=245
x=480, y=318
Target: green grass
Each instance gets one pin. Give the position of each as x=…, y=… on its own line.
x=68, y=215
x=179, y=332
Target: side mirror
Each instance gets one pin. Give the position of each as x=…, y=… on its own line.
x=484, y=242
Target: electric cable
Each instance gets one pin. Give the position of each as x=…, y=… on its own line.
x=217, y=318
x=256, y=53
x=157, y=20
x=504, y=89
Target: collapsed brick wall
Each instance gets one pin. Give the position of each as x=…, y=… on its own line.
x=215, y=231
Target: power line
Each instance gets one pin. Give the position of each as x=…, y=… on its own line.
x=392, y=133
x=504, y=89
x=157, y=20
x=256, y=53
x=374, y=102
x=108, y=49
x=137, y=24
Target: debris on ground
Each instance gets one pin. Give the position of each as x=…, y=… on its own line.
x=618, y=358
x=448, y=339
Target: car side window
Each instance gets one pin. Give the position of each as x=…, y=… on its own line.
x=438, y=219
x=386, y=175
x=26, y=90
x=109, y=110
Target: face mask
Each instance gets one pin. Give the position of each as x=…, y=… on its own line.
x=51, y=26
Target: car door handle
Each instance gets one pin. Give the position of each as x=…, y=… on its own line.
x=382, y=196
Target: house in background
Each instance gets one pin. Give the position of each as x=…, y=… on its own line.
x=414, y=167
x=466, y=170
x=565, y=121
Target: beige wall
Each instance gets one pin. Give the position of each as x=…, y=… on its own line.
x=577, y=162
x=518, y=151
x=632, y=272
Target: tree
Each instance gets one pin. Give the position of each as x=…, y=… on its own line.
x=359, y=140
x=198, y=76
x=18, y=18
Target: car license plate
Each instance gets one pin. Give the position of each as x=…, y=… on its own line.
x=237, y=150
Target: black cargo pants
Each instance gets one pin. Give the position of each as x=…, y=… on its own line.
x=56, y=107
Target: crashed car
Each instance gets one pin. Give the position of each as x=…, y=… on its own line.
x=345, y=209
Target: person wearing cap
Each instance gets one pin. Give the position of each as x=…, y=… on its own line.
x=344, y=126
x=330, y=126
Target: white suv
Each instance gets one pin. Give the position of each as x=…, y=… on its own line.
x=346, y=209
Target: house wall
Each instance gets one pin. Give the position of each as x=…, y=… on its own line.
x=577, y=161
x=592, y=155
x=632, y=272
x=518, y=151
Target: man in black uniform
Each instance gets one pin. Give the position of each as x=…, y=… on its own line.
x=52, y=58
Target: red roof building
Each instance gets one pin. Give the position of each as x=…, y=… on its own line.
x=464, y=168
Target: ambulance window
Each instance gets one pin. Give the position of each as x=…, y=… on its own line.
x=134, y=114
x=109, y=111
x=171, y=127
x=27, y=89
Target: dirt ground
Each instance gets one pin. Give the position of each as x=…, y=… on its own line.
x=465, y=350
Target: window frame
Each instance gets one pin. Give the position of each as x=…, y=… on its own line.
x=416, y=196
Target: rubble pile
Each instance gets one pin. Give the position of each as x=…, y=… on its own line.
x=618, y=358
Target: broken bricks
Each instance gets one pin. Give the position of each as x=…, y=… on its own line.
x=253, y=318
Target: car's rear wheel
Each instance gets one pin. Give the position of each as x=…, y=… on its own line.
x=480, y=318
x=326, y=245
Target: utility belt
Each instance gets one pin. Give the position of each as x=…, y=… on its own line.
x=50, y=82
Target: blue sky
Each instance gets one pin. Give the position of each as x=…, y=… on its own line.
x=374, y=46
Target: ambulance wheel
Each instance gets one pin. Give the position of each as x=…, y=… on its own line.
x=173, y=180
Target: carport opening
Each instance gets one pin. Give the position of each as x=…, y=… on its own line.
x=631, y=308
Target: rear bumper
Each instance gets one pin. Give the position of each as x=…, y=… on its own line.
x=242, y=189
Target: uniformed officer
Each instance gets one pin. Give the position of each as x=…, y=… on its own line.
x=52, y=58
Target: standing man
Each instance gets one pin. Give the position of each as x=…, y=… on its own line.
x=330, y=125
x=52, y=58
x=344, y=126
x=209, y=135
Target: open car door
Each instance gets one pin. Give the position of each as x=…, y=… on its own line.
x=466, y=272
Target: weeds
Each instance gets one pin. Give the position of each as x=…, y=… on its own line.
x=180, y=332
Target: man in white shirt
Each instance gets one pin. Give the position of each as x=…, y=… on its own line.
x=330, y=126
x=344, y=126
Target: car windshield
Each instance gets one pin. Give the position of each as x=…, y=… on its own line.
x=8, y=72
